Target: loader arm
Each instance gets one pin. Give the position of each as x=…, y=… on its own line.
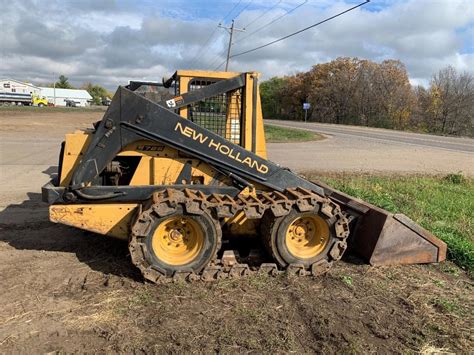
x=131, y=117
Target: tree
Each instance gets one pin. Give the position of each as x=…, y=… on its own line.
x=451, y=102
x=63, y=83
x=271, y=92
x=361, y=92
x=96, y=91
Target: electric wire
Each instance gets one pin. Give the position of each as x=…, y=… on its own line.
x=260, y=16
x=220, y=65
x=217, y=57
x=235, y=6
x=206, y=43
x=243, y=9
x=266, y=25
x=299, y=31
x=277, y=18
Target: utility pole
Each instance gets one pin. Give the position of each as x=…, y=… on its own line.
x=231, y=30
x=54, y=90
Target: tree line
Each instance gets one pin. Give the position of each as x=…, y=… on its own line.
x=362, y=92
x=96, y=91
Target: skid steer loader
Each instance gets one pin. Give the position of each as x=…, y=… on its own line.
x=185, y=180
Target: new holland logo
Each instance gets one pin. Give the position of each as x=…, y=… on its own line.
x=221, y=148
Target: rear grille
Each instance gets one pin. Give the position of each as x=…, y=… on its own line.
x=221, y=114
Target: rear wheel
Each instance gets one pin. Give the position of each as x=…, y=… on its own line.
x=178, y=242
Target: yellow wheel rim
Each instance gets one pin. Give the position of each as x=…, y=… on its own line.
x=178, y=240
x=307, y=236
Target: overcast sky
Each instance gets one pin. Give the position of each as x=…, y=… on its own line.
x=110, y=42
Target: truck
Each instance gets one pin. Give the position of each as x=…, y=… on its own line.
x=19, y=99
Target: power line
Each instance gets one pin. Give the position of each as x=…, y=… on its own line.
x=220, y=65
x=213, y=32
x=297, y=32
x=231, y=11
x=266, y=12
x=273, y=21
x=276, y=19
x=204, y=45
x=244, y=8
x=231, y=32
x=217, y=57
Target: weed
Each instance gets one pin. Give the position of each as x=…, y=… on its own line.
x=347, y=280
x=141, y=298
x=450, y=269
x=455, y=179
x=439, y=283
x=447, y=305
x=259, y=282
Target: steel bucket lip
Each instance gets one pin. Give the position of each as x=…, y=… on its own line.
x=385, y=238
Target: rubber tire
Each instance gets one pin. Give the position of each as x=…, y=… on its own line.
x=274, y=231
x=40, y=105
x=212, y=235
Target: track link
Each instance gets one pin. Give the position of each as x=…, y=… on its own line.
x=267, y=205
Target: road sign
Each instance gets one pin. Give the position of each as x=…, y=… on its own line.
x=306, y=106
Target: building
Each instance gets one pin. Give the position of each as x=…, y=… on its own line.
x=58, y=97
x=19, y=87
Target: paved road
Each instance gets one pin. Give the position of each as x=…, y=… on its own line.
x=423, y=140
x=372, y=150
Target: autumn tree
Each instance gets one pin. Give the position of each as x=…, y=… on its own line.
x=362, y=92
x=450, y=104
x=332, y=90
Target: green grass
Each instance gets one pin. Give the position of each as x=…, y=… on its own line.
x=442, y=205
x=274, y=134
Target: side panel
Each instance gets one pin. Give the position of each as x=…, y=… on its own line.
x=75, y=146
x=108, y=219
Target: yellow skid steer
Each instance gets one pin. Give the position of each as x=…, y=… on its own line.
x=184, y=179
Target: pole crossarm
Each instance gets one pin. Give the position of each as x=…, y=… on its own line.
x=231, y=31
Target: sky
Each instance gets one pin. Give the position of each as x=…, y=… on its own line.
x=110, y=42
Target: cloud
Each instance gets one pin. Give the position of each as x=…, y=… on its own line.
x=110, y=42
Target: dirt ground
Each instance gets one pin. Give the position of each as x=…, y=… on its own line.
x=66, y=290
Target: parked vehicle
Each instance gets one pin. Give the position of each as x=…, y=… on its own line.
x=19, y=99
x=13, y=98
x=39, y=101
x=71, y=103
x=106, y=101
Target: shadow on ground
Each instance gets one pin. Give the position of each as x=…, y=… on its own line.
x=26, y=226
